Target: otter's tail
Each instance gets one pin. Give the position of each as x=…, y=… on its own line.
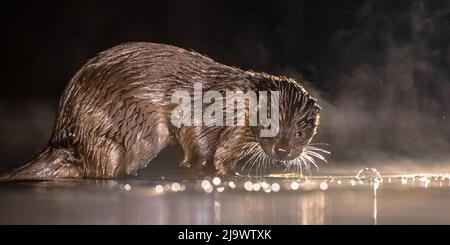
x=51, y=163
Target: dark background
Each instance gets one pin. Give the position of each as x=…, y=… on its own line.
x=380, y=68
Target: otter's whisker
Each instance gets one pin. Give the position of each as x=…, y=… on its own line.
x=258, y=155
x=258, y=164
x=307, y=162
x=293, y=166
x=250, y=169
x=313, y=148
x=250, y=149
x=264, y=162
x=287, y=167
x=311, y=160
x=321, y=144
x=252, y=160
x=260, y=167
x=315, y=154
x=268, y=162
x=300, y=163
x=249, y=160
x=245, y=164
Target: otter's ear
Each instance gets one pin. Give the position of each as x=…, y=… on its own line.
x=314, y=112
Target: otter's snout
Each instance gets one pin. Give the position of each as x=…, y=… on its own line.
x=284, y=152
x=281, y=152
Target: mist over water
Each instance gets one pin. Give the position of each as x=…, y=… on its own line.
x=389, y=99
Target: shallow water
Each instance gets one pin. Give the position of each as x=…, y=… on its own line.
x=276, y=199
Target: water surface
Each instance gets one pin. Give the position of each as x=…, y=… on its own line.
x=339, y=199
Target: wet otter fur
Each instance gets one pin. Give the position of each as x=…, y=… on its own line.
x=114, y=116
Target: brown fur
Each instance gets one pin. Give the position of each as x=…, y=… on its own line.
x=113, y=116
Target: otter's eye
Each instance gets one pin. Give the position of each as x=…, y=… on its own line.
x=299, y=134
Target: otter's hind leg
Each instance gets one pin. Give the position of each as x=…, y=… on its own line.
x=124, y=151
x=146, y=147
x=122, y=143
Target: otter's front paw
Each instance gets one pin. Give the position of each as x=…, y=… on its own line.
x=224, y=168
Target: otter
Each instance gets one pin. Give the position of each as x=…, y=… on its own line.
x=114, y=117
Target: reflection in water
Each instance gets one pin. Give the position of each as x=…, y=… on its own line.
x=375, y=208
x=313, y=209
x=217, y=214
x=282, y=208
x=319, y=200
x=372, y=177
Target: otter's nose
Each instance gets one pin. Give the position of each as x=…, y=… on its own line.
x=281, y=152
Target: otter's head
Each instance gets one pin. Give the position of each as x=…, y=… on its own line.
x=298, y=120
